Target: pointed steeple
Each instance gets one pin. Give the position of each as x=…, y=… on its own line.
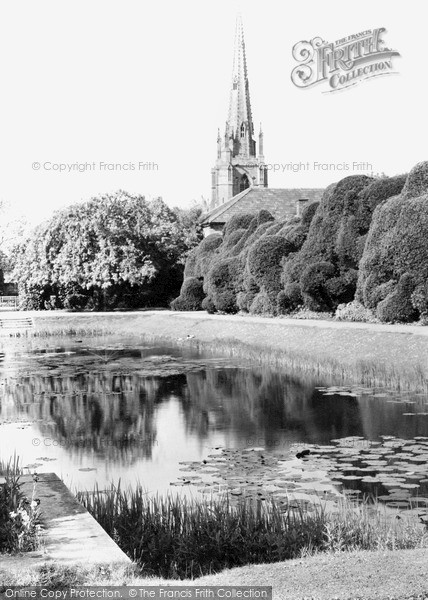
x=237, y=167
x=240, y=119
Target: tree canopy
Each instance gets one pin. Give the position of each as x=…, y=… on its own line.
x=113, y=251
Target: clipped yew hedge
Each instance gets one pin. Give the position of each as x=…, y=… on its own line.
x=363, y=245
x=393, y=271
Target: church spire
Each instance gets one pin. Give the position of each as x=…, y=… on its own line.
x=240, y=118
x=237, y=167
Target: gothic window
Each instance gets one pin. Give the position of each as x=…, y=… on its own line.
x=244, y=183
x=243, y=130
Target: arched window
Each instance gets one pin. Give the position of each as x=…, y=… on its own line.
x=243, y=130
x=244, y=183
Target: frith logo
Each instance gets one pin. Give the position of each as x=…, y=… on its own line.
x=342, y=63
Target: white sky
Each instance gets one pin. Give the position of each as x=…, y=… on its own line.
x=131, y=80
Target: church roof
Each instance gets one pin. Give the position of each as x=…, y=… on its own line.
x=280, y=202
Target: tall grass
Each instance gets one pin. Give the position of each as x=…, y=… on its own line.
x=367, y=372
x=174, y=537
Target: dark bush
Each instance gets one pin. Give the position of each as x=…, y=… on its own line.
x=313, y=283
x=419, y=299
x=239, y=221
x=397, y=306
x=289, y=299
x=264, y=216
x=394, y=266
x=75, y=302
x=191, y=295
x=201, y=257
x=309, y=213
x=417, y=181
x=264, y=262
x=208, y=305
x=376, y=193
x=223, y=282
x=262, y=305
x=333, y=237
x=231, y=240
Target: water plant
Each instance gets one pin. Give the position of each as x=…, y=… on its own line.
x=177, y=537
x=20, y=526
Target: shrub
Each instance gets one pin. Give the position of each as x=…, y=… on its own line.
x=394, y=265
x=75, y=301
x=332, y=238
x=397, y=306
x=231, y=240
x=289, y=299
x=417, y=181
x=208, y=305
x=19, y=515
x=419, y=299
x=200, y=258
x=262, y=305
x=376, y=193
x=309, y=213
x=264, y=262
x=223, y=282
x=354, y=311
x=313, y=284
x=191, y=295
x=264, y=216
x=239, y=221
x=244, y=300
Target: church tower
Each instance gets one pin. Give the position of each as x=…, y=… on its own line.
x=238, y=167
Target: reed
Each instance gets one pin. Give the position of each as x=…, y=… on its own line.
x=177, y=538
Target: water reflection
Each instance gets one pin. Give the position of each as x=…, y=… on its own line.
x=109, y=410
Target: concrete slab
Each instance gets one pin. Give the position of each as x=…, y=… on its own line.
x=71, y=534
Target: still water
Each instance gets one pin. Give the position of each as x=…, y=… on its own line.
x=107, y=409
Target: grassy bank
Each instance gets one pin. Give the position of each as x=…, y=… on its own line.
x=393, y=356
x=178, y=538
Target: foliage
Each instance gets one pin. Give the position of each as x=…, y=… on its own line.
x=190, y=222
x=191, y=295
x=264, y=262
x=19, y=516
x=398, y=306
x=238, y=221
x=12, y=229
x=289, y=299
x=312, y=262
x=262, y=304
x=354, y=311
x=223, y=282
x=394, y=267
x=117, y=250
x=201, y=257
x=177, y=538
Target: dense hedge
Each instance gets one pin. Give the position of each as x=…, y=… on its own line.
x=199, y=259
x=394, y=268
x=363, y=245
x=191, y=295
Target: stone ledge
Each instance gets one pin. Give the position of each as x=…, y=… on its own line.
x=71, y=534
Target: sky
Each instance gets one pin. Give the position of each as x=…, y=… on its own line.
x=126, y=82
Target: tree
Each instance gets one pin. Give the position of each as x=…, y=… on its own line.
x=190, y=220
x=12, y=229
x=113, y=251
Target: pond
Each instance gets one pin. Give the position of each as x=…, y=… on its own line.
x=108, y=409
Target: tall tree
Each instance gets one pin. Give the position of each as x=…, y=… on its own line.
x=116, y=250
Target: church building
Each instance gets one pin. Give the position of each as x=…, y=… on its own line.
x=239, y=177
